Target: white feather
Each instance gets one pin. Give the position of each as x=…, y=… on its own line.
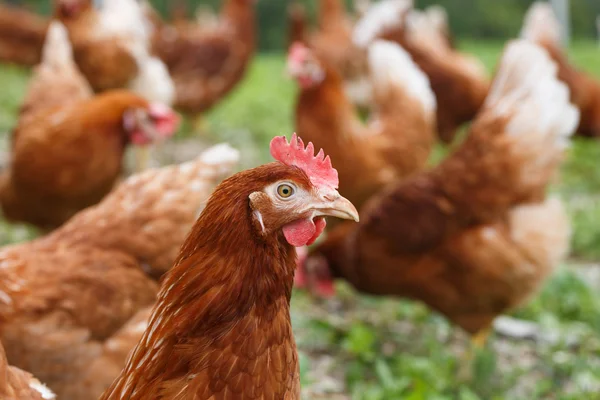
x=42, y=389
x=153, y=81
x=392, y=67
x=380, y=17
x=220, y=153
x=438, y=17
x=421, y=29
x=124, y=18
x=527, y=91
x=360, y=91
x=57, y=48
x=541, y=24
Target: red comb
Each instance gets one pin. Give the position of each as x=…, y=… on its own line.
x=318, y=168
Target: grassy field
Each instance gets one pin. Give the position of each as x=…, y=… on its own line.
x=360, y=347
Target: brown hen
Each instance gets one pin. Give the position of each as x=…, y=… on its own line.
x=476, y=236
x=64, y=296
x=206, y=63
x=221, y=327
x=68, y=145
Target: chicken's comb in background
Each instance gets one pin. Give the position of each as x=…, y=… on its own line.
x=318, y=168
x=298, y=52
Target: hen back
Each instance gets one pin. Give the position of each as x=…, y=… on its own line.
x=63, y=295
x=475, y=236
x=206, y=63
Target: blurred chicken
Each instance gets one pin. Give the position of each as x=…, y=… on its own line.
x=68, y=145
x=475, y=237
x=221, y=327
x=21, y=35
x=16, y=384
x=103, y=370
x=297, y=23
x=64, y=295
x=207, y=62
x=459, y=81
x=112, y=47
x=332, y=43
x=397, y=140
x=542, y=27
x=437, y=17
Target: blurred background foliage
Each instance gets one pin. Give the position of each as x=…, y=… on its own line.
x=482, y=19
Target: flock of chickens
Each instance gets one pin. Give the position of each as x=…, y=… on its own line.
x=175, y=283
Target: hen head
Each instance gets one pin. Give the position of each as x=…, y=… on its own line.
x=149, y=124
x=304, y=67
x=299, y=194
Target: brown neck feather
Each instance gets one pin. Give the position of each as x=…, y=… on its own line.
x=226, y=275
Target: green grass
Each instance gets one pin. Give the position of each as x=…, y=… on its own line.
x=360, y=347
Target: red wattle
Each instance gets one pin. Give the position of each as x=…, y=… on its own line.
x=299, y=233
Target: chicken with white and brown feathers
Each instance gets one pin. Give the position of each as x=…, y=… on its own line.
x=68, y=144
x=397, y=140
x=542, y=27
x=63, y=295
x=459, y=81
x=206, y=63
x=476, y=236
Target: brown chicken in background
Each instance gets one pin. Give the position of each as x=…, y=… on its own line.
x=475, y=237
x=400, y=134
x=16, y=384
x=221, y=327
x=22, y=35
x=332, y=42
x=63, y=295
x=111, y=47
x=68, y=145
x=459, y=81
x=542, y=27
x=297, y=23
x=206, y=63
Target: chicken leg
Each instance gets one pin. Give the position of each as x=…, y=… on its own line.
x=477, y=344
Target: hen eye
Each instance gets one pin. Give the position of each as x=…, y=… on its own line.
x=285, y=191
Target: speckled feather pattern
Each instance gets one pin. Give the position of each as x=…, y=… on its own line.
x=16, y=384
x=103, y=259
